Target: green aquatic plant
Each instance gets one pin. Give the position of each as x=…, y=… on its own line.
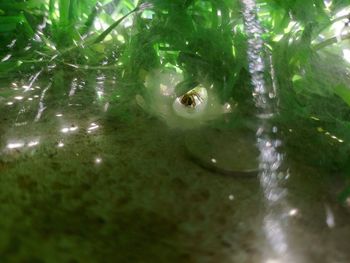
x=306, y=45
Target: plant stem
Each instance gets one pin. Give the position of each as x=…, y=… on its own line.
x=330, y=41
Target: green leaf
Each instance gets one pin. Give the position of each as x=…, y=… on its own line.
x=343, y=92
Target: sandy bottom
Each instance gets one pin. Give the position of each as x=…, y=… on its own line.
x=89, y=181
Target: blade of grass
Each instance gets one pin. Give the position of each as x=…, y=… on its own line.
x=102, y=36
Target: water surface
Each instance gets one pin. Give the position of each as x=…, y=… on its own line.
x=87, y=175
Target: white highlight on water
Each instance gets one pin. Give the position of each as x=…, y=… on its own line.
x=32, y=81
x=270, y=159
x=100, y=86
x=42, y=107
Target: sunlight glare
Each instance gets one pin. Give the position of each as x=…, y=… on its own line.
x=293, y=212
x=7, y=57
x=15, y=145
x=328, y=3
x=33, y=143
x=330, y=221
x=93, y=126
x=346, y=55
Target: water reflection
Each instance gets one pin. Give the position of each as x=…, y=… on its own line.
x=18, y=98
x=69, y=129
x=330, y=221
x=93, y=126
x=7, y=57
x=100, y=83
x=271, y=175
x=41, y=107
x=16, y=144
x=33, y=143
x=32, y=80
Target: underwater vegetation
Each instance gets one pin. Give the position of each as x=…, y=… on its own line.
x=306, y=44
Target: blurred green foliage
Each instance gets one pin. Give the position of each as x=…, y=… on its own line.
x=203, y=39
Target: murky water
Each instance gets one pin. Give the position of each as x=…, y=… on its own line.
x=90, y=176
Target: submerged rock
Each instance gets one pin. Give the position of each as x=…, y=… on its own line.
x=231, y=152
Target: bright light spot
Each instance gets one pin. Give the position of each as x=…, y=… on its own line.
x=99, y=94
x=74, y=128
x=25, y=87
x=98, y=160
x=65, y=130
x=227, y=108
x=213, y=160
x=270, y=260
x=36, y=96
x=10, y=103
x=346, y=55
x=347, y=201
x=329, y=217
x=14, y=84
x=219, y=12
x=128, y=23
x=59, y=115
x=121, y=38
x=106, y=106
x=231, y=197
x=70, y=129
x=292, y=25
x=18, y=98
x=97, y=25
x=296, y=78
x=93, y=126
x=275, y=234
x=60, y=144
x=338, y=27
x=15, y=145
x=342, y=12
x=327, y=3
x=30, y=98
x=32, y=143
x=7, y=57
x=277, y=38
x=293, y=212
